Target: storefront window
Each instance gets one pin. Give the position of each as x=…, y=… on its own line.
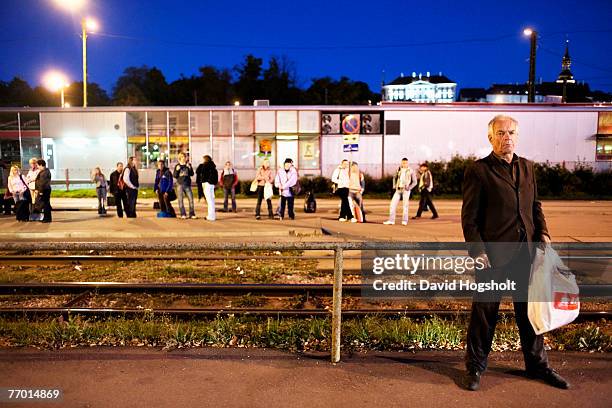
x=243, y=123
x=200, y=135
x=265, y=148
x=30, y=137
x=244, y=152
x=158, y=138
x=222, y=149
x=309, y=152
x=604, y=149
x=265, y=122
x=309, y=122
x=222, y=123
x=286, y=122
x=9, y=139
x=179, y=134
x=136, y=137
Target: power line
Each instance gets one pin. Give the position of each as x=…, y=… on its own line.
x=313, y=48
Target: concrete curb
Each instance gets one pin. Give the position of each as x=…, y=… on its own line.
x=296, y=232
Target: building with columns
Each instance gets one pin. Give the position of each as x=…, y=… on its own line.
x=421, y=89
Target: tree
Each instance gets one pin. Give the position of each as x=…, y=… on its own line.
x=96, y=96
x=17, y=92
x=149, y=84
x=279, y=82
x=249, y=86
x=327, y=91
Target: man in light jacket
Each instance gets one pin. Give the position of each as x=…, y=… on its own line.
x=403, y=182
x=286, y=178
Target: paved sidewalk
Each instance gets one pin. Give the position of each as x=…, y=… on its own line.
x=132, y=377
x=568, y=221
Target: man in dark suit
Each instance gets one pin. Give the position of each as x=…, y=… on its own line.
x=501, y=219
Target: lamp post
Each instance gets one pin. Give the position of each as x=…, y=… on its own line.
x=533, y=35
x=56, y=81
x=87, y=24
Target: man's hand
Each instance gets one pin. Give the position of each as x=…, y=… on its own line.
x=483, y=259
x=545, y=239
x=165, y=195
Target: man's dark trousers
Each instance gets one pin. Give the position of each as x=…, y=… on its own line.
x=425, y=202
x=485, y=310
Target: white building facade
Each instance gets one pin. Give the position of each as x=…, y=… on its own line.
x=76, y=140
x=420, y=89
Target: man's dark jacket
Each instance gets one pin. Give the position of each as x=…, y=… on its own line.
x=493, y=208
x=43, y=180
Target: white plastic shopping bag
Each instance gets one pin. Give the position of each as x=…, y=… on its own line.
x=553, y=292
x=268, y=192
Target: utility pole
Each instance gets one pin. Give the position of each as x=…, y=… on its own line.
x=532, y=64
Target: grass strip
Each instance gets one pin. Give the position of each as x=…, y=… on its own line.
x=360, y=334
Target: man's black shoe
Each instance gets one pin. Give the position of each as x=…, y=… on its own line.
x=472, y=380
x=435, y=216
x=550, y=377
x=416, y=217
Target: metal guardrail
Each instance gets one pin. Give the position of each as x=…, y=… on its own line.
x=337, y=247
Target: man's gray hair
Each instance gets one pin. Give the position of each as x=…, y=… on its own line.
x=499, y=118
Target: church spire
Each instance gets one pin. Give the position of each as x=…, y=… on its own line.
x=566, y=62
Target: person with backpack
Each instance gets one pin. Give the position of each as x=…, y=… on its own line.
x=183, y=171
x=130, y=178
x=99, y=180
x=163, y=187
x=117, y=189
x=341, y=179
x=229, y=179
x=403, y=182
x=207, y=178
x=263, y=178
x=18, y=188
x=286, y=181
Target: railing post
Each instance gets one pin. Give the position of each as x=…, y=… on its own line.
x=337, y=305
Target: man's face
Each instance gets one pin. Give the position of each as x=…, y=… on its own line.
x=182, y=159
x=404, y=164
x=423, y=169
x=160, y=165
x=344, y=164
x=119, y=168
x=228, y=165
x=287, y=166
x=504, y=137
x=33, y=165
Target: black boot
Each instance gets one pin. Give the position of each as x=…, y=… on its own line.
x=472, y=380
x=550, y=377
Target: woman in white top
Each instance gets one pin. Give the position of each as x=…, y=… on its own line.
x=18, y=187
x=341, y=178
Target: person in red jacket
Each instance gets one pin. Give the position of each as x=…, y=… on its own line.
x=229, y=179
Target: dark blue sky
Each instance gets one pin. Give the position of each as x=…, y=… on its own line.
x=355, y=38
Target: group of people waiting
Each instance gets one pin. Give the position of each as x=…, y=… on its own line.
x=31, y=194
x=349, y=185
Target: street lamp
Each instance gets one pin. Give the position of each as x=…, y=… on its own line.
x=56, y=81
x=533, y=35
x=87, y=25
